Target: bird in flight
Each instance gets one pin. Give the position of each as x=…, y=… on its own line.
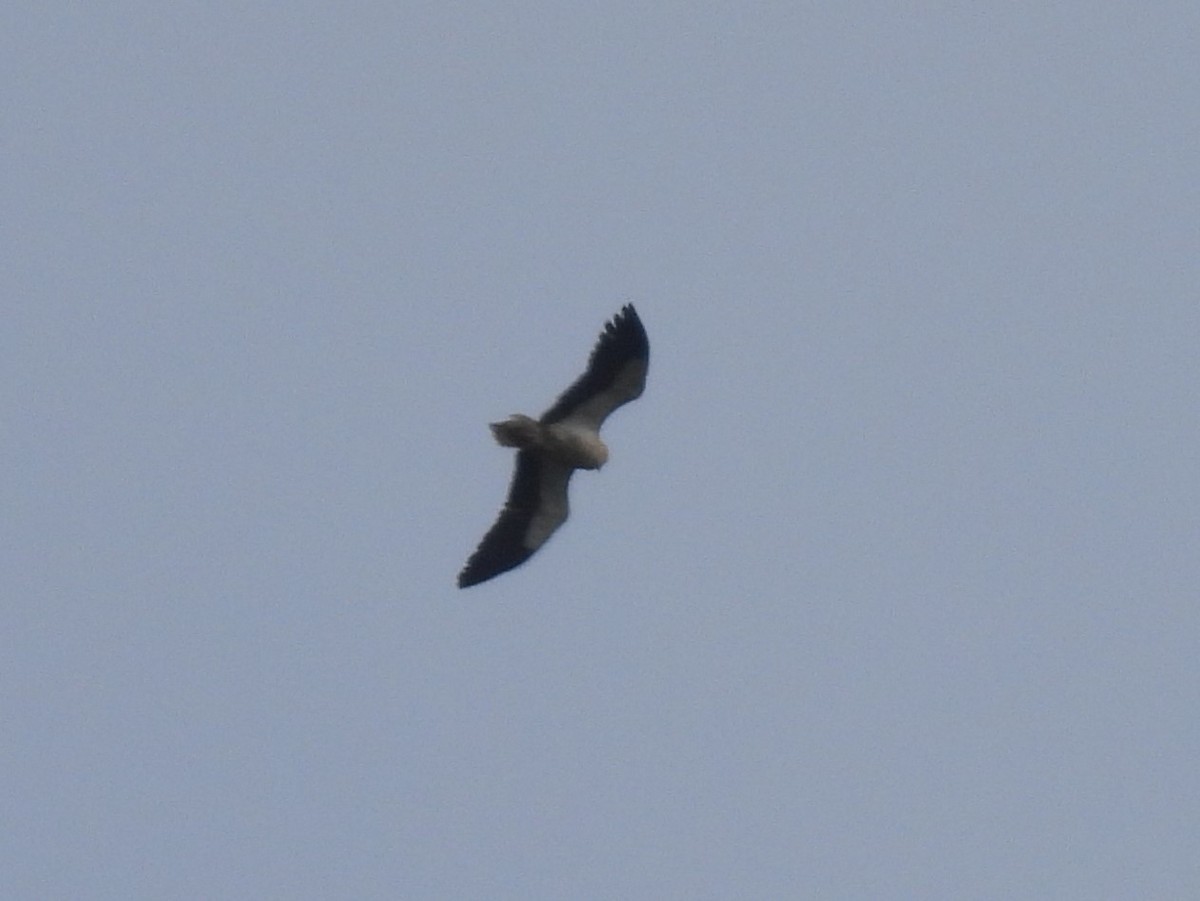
x=550, y=449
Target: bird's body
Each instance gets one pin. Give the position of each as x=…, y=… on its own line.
x=550, y=449
x=568, y=442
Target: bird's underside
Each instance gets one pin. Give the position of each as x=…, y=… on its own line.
x=549, y=449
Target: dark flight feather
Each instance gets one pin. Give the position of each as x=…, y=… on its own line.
x=622, y=341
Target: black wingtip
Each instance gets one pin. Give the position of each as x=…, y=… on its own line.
x=622, y=340
x=484, y=566
x=627, y=326
x=503, y=547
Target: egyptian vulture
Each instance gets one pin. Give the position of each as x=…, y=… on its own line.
x=550, y=449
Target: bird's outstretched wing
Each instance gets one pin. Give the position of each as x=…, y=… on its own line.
x=616, y=373
x=536, y=506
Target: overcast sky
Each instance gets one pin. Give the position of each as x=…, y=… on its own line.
x=889, y=589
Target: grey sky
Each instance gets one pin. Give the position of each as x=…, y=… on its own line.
x=889, y=589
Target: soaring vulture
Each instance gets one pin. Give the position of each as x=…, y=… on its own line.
x=550, y=449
